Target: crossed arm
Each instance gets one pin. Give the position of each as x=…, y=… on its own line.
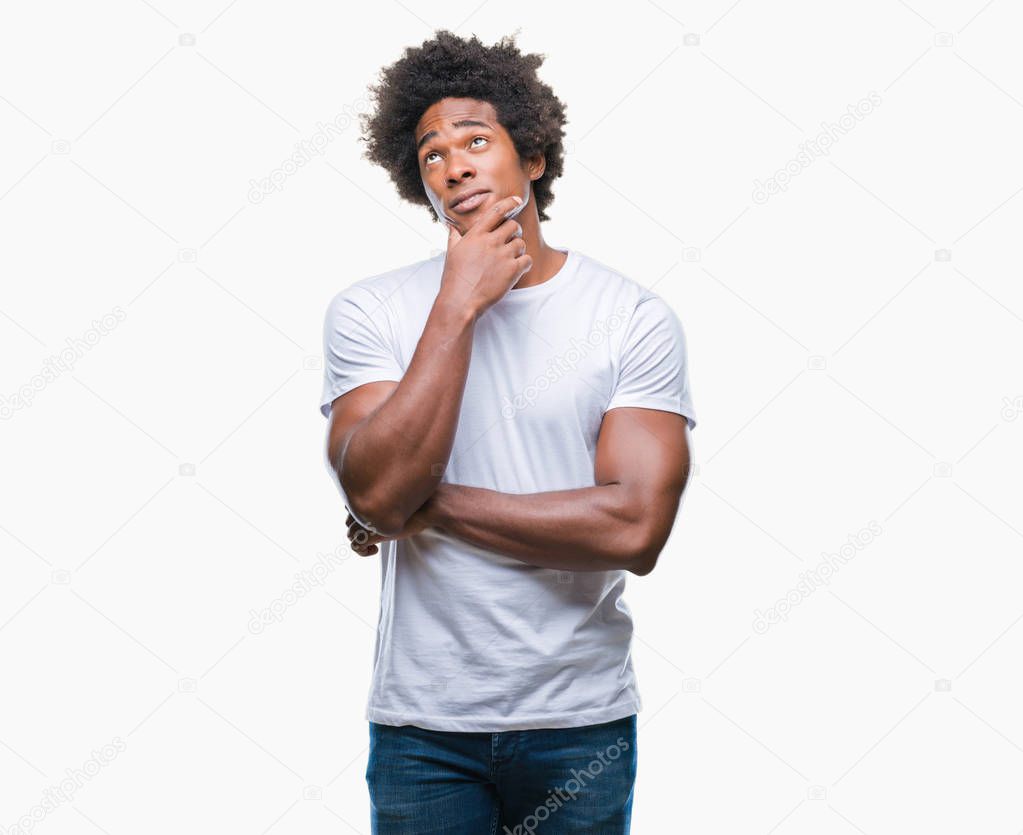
x=388, y=463
x=641, y=471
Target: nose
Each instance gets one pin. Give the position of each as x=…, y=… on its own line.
x=459, y=169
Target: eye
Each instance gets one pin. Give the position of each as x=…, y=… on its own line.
x=426, y=159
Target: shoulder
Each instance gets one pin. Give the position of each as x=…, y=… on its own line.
x=387, y=289
x=624, y=292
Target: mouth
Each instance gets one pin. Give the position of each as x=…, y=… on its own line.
x=465, y=203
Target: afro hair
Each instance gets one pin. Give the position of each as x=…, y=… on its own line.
x=450, y=66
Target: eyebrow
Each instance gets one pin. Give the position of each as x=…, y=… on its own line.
x=461, y=123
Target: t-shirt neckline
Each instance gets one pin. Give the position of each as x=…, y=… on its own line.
x=544, y=288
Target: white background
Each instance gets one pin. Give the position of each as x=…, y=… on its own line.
x=854, y=342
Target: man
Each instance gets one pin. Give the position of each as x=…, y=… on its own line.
x=509, y=428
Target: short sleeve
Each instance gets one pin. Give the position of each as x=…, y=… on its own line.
x=653, y=368
x=355, y=349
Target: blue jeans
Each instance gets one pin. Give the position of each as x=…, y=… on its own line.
x=549, y=780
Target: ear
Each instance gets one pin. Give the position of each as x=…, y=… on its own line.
x=535, y=166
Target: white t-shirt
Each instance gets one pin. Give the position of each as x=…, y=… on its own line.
x=469, y=639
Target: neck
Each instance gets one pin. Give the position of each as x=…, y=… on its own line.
x=546, y=259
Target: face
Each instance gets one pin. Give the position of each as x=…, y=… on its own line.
x=462, y=148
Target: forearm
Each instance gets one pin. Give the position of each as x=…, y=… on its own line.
x=587, y=529
x=396, y=456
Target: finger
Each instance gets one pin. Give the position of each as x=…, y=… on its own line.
x=454, y=236
x=497, y=213
x=508, y=231
x=361, y=537
x=518, y=246
x=369, y=538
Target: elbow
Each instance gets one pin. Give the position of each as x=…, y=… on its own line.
x=642, y=564
x=388, y=527
x=643, y=558
x=382, y=522
x=367, y=508
x=644, y=524
x=387, y=513
x=652, y=527
x=375, y=515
